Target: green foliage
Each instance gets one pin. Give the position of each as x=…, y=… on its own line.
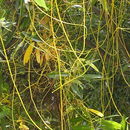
x=5, y=113
x=110, y=125
x=57, y=75
x=81, y=128
x=64, y=65
x=41, y=3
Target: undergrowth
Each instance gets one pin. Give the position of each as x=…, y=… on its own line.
x=64, y=65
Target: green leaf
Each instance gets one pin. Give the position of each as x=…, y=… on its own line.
x=90, y=63
x=92, y=76
x=41, y=3
x=56, y=75
x=77, y=124
x=81, y=127
x=76, y=120
x=94, y=67
x=123, y=123
x=77, y=90
x=126, y=67
x=110, y=125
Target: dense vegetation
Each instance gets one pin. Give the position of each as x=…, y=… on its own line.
x=64, y=64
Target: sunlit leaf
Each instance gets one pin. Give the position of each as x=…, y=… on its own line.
x=110, y=125
x=41, y=3
x=23, y=127
x=28, y=53
x=94, y=67
x=90, y=63
x=38, y=56
x=98, y=113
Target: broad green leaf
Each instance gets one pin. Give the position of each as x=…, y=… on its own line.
x=110, y=125
x=28, y=53
x=92, y=76
x=56, y=75
x=76, y=120
x=41, y=3
x=98, y=113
